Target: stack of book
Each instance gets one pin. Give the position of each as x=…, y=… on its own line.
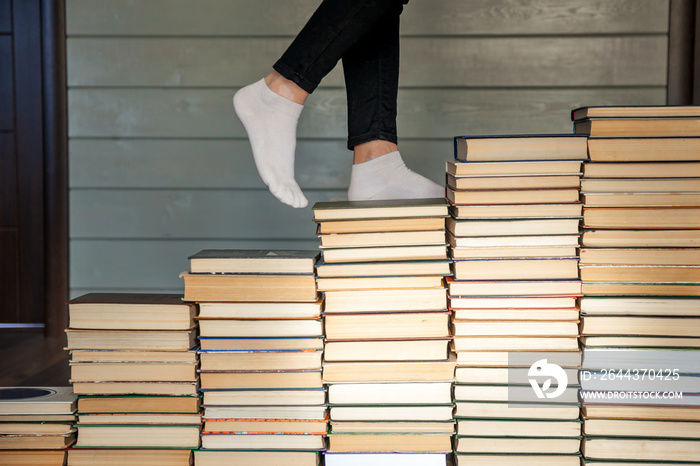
x=514, y=233
x=134, y=367
x=36, y=425
x=386, y=361
x=640, y=266
x=261, y=346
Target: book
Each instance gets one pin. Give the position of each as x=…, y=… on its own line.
x=261, y=343
x=641, y=326
x=393, y=427
x=385, y=459
x=423, y=299
x=643, y=185
x=379, y=209
x=128, y=457
x=634, y=199
x=513, y=168
x=410, y=371
x=246, y=458
x=560, y=446
x=491, y=360
x=640, y=273
x=131, y=311
x=375, y=269
x=386, y=350
x=520, y=147
x=519, y=343
x=512, y=211
x=419, y=393
x=513, y=287
x=508, y=302
x=482, y=459
x=662, y=169
x=242, y=287
x=459, y=252
x=33, y=457
x=260, y=328
x=641, y=238
x=641, y=449
x=272, y=399
x=648, y=111
x=133, y=356
x=640, y=412
x=529, y=241
x=638, y=127
x=266, y=425
x=514, y=196
x=510, y=394
x=525, y=411
x=639, y=342
x=643, y=306
x=140, y=418
x=37, y=400
x=640, y=256
x=260, y=360
x=475, y=183
x=253, y=261
x=499, y=315
x=250, y=380
x=516, y=269
x=683, y=361
x=133, y=371
x=391, y=238
x=34, y=429
x=514, y=328
x=512, y=428
x=161, y=436
x=138, y=404
x=389, y=253
x=159, y=340
x=641, y=218
x=383, y=283
x=389, y=413
x=389, y=442
x=499, y=375
x=382, y=225
x=644, y=149
x=387, y=325
x=508, y=227
x=267, y=411
x=246, y=441
x=260, y=310
x=38, y=441
x=640, y=289
x=135, y=388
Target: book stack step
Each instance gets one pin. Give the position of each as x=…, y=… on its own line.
x=386, y=362
x=36, y=425
x=514, y=234
x=134, y=368
x=640, y=266
x=261, y=346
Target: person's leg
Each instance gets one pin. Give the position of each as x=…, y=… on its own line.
x=270, y=108
x=371, y=70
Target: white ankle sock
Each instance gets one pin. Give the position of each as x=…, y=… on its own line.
x=387, y=177
x=271, y=123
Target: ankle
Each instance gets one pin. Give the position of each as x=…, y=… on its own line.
x=371, y=150
x=286, y=88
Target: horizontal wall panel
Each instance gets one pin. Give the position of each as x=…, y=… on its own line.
x=423, y=113
x=427, y=62
x=151, y=264
x=226, y=163
x=420, y=17
x=215, y=214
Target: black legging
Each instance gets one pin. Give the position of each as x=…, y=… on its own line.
x=365, y=35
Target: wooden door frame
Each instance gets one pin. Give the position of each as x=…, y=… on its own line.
x=53, y=27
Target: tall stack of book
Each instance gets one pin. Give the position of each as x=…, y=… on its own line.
x=261, y=346
x=640, y=266
x=134, y=369
x=36, y=425
x=514, y=233
x=386, y=362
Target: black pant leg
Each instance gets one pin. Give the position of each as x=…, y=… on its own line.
x=334, y=28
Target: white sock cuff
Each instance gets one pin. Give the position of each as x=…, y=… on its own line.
x=387, y=162
x=276, y=101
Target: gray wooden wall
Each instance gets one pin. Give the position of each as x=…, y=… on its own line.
x=160, y=166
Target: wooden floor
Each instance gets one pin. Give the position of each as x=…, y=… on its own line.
x=32, y=359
